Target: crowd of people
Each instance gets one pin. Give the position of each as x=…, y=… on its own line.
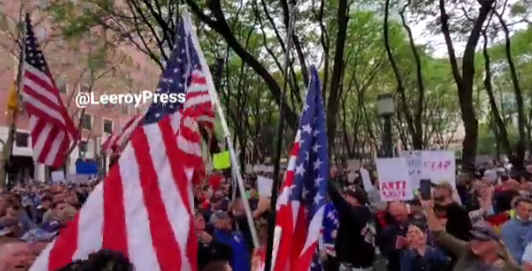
x=484, y=223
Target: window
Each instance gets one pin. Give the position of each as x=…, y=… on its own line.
x=83, y=146
x=107, y=126
x=21, y=139
x=86, y=121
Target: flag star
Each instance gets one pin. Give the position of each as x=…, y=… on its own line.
x=317, y=181
x=316, y=147
x=305, y=193
x=300, y=170
x=176, y=70
x=307, y=156
x=317, y=164
x=305, y=107
x=318, y=198
x=316, y=132
x=307, y=128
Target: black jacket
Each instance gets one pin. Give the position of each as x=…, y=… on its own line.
x=351, y=244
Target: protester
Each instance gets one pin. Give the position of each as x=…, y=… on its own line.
x=485, y=251
x=391, y=237
x=456, y=217
x=419, y=255
x=355, y=239
x=514, y=231
x=224, y=233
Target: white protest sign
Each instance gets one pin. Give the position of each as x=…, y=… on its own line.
x=264, y=186
x=366, y=180
x=415, y=166
x=394, y=179
x=439, y=166
x=58, y=176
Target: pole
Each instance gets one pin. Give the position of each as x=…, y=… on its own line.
x=388, y=149
x=227, y=134
x=8, y=146
x=276, y=178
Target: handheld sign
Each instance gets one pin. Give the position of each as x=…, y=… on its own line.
x=415, y=166
x=394, y=179
x=439, y=166
x=222, y=160
x=264, y=186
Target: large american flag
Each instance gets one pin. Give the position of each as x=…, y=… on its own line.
x=144, y=207
x=301, y=204
x=52, y=129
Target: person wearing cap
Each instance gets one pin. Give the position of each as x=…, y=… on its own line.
x=355, y=239
x=515, y=230
x=225, y=234
x=485, y=251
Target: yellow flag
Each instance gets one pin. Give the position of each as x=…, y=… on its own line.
x=12, y=98
x=222, y=160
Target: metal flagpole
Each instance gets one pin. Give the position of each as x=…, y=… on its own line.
x=272, y=232
x=227, y=134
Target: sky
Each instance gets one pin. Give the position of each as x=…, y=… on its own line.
x=437, y=42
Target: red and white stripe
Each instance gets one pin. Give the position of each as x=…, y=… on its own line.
x=117, y=140
x=142, y=209
x=52, y=129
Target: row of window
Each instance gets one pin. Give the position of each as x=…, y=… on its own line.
x=86, y=123
x=22, y=140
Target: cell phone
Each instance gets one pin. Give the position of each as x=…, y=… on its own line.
x=425, y=189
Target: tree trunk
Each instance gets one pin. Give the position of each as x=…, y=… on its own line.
x=501, y=134
x=400, y=87
x=336, y=89
x=521, y=145
x=464, y=81
x=417, y=138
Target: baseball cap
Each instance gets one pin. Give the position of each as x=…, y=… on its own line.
x=484, y=232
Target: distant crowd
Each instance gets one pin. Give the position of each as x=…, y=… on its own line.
x=484, y=223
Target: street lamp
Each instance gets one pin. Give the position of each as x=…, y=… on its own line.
x=386, y=109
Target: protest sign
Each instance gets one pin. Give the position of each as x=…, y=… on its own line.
x=58, y=176
x=222, y=160
x=264, y=186
x=394, y=179
x=439, y=166
x=415, y=166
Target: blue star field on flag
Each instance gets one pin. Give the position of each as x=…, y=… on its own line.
x=312, y=163
x=176, y=76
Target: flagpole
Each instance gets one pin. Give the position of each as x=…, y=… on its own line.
x=270, y=264
x=227, y=134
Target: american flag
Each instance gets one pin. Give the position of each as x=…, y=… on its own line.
x=52, y=129
x=301, y=204
x=116, y=140
x=144, y=207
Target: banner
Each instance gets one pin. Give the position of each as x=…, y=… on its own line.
x=415, y=166
x=264, y=186
x=439, y=166
x=394, y=181
x=222, y=160
x=58, y=176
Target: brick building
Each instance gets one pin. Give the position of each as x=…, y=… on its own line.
x=122, y=70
